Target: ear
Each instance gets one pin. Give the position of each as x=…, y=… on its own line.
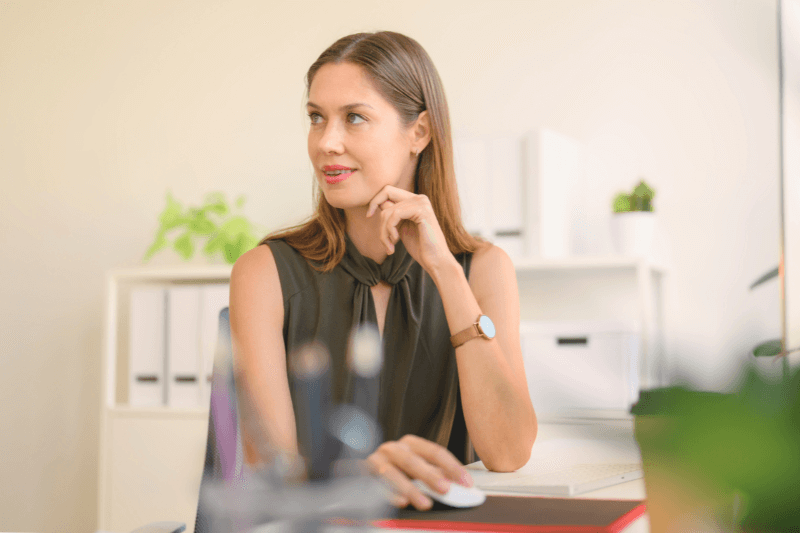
x=421, y=131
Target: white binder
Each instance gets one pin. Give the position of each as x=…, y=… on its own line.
x=146, y=386
x=214, y=299
x=183, y=346
x=552, y=166
x=505, y=194
x=472, y=175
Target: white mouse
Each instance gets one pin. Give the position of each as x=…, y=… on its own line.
x=457, y=496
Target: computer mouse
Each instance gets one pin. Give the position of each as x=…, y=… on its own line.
x=457, y=496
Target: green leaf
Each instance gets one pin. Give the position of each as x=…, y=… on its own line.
x=215, y=203
x=172, y=216
x=240, y=202
x=622, y=203
x=214, y=244
x=770, y=348
x=232, y=251
x=184, y=246
x=201, y=225
x=766, y=277
x=235, y=226
x=644, y=191
x=159, y=244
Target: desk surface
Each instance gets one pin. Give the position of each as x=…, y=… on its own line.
x=561, y=445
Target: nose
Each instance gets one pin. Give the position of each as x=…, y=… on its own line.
x=331, y=140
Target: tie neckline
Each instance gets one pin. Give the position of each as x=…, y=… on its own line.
x=393, y=269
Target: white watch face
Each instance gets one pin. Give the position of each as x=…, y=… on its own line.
x=487, y=326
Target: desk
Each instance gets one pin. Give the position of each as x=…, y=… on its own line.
x=560, y=445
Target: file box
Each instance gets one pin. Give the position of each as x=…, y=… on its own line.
x=581, y=368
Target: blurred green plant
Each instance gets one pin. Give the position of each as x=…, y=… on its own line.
x=640, y=199
x=225, y=230
x=744, y=443
x=772, y=347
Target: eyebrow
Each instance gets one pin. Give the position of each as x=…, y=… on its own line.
x=347, y=107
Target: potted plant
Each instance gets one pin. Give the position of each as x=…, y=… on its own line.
x=772, y=347
x=633, y=221
x=722, y=462
x=225, y=231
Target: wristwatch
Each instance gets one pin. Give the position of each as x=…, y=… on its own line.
x=483, y=327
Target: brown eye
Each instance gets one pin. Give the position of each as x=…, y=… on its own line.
x=354, y=118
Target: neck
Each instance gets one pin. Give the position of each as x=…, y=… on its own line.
x=365, y=233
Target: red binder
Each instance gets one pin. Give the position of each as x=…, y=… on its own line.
x=524, y=514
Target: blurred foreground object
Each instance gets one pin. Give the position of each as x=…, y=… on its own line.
x=262, y=499
x=224, y=231
x=289, y=492
x=727, y=462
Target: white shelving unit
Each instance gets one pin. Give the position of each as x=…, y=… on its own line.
x=631, y=288
x=151, y=458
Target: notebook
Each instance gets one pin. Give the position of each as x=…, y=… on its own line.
x=568, y=481
x=521, y=514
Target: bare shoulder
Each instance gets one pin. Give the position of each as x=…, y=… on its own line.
x=488, y=262
x=255, y=283
x=257, y=262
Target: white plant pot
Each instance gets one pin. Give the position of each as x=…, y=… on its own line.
x=632, y=233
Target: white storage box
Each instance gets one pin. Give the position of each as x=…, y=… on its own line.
x=581, y=368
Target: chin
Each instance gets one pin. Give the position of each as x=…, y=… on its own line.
x=342, y=200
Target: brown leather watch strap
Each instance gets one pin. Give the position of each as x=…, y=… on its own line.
x=463, y=336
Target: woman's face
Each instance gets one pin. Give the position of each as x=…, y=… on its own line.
x=357, y=141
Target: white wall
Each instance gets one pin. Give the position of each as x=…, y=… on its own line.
x=106, y=105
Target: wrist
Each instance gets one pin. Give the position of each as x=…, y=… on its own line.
x=446, y=269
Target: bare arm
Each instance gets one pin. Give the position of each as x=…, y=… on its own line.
x=256, y=314
x=497, y=407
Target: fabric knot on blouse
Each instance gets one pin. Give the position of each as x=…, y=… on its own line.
x=370, y=273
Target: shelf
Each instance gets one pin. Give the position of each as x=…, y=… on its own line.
x=587, y=262
x=158, y=412
x=522, y=264
x=169, y=273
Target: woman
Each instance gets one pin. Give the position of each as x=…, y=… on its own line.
x=386, y=246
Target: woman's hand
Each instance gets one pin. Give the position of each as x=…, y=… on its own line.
x=410, y=217
x=413, y=457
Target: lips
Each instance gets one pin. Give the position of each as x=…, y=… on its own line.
x=336, y=173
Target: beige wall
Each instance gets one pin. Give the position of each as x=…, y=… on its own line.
x=106, y=105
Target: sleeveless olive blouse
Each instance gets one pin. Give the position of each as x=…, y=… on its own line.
x=418, y=383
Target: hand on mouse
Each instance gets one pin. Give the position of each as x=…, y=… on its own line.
x=412, y=457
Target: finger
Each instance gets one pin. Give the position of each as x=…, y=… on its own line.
x=416, y=467
x=411, y=214
x=384, y=234
x=392, y=234
x=388, y=193
x=405, y=491
x=379, y=466
x=441, y=457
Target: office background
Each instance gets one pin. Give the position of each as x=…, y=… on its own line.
x=104, y=106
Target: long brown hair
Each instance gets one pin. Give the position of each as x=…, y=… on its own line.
x=403, y=73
